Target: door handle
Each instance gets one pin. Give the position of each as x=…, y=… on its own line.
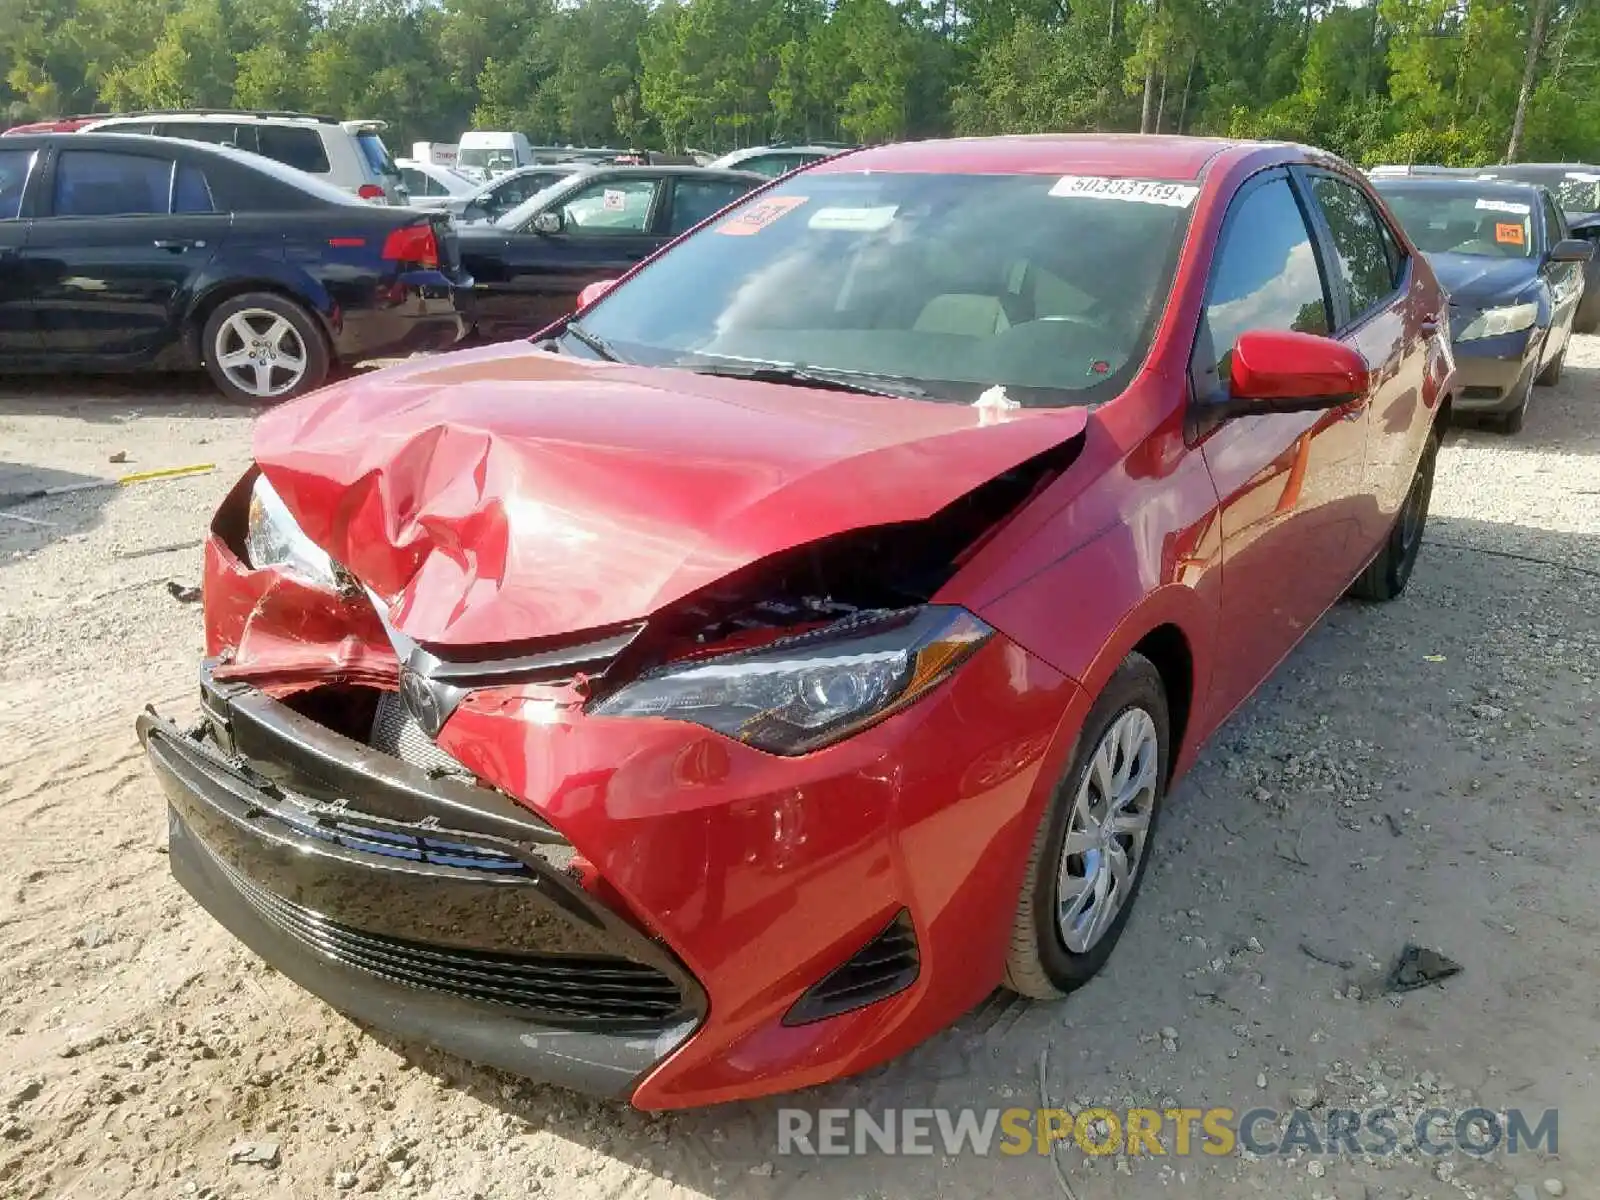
x=178, y=244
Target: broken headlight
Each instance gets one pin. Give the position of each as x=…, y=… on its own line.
x=273, y=538
x=802, y=693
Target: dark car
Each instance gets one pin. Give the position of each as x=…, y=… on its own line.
x=120, y=251
x=1514, y=276
x=529, y=266
x=1576, y=187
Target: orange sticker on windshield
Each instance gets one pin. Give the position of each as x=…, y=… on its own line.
x=753, y=218
x=1508, y=234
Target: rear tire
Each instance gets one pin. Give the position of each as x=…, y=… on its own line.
x=1121, y=758
x=262, y=348
x=1386, y=575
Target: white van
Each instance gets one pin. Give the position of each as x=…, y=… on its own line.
x=484, y=154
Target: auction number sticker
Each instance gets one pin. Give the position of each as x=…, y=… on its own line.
x=1505, y=206
x=753, y=218
x=1140, y=191
x=614, y=200
x=1508, y=234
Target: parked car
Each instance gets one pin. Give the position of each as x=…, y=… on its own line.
x=489, y=201
x=122, y=252
x=483, y=154
x=1391, y=169
x=431, y=186
x=730, y=693
x=775, y=160
x=1576, y=187
x=1514, y=278
x=55, y=125
x=529, y=265
x=348, y=154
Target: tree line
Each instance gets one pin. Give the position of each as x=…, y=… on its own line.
x=1451, y=81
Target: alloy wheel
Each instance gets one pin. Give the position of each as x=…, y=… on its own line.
x=261, y=353
x=1107, y=830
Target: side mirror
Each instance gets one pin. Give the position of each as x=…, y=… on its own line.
x=1275, y=371
x=546, y=223
x=1572, y=250
x=594, y=291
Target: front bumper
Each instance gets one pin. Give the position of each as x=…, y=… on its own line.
x=429, y=908
x=1492, y=373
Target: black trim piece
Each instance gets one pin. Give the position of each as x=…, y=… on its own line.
x=886, y=965
x=601, y=1063
x=281, y=747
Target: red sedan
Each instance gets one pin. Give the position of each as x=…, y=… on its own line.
x=727, y=691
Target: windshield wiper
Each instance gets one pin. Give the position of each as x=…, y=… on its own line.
x=593, y=341
x=799, y=375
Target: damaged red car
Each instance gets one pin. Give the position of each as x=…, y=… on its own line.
x=728, y=690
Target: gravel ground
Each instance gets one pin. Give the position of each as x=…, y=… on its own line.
x=1425, y=771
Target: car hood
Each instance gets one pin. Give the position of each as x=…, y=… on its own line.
x=1477, y=281
x=509, y=495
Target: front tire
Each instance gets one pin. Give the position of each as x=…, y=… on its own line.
x=1093, y=842
x=1551, y=375
x=1386, y=575
x=261, y=348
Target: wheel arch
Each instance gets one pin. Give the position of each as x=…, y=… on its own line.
x=207, y=300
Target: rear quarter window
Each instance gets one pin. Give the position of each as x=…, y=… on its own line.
x=14, y=168
x=293, y=146
x=376, y=154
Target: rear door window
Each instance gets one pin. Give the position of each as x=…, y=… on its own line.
x=1364, y=261
x=294, y=146
x=191, y=193
x=693, y=200
x=217, y=133
x=96, y=183
x=14, y=168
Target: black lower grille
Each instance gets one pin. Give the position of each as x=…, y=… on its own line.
x=1478, y=392
x=889, y=963
x=557, y=987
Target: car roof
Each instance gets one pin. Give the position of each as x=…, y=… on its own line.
x=1155, y=156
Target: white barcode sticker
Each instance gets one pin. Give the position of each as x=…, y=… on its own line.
x=854, y=220
x=1140, y=191
x=1505, y=206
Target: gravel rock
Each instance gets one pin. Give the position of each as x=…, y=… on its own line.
x=1554, y=1187
x=256, y=1154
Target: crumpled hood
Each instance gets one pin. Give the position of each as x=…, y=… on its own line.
x=1478, y=281
x=506, y=494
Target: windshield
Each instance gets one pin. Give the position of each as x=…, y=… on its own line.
x=517, y=218
x=1463, y=221
x=377, y=154
x=488, y=159
x=955, y=284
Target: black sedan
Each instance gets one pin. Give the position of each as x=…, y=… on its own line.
x=119, y=252
x=1514, y=276
x=529, y=266
x=1576, y=187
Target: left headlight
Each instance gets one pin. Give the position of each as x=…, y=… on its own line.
x=1492, y=322
x=273, y=538
x=802, y=693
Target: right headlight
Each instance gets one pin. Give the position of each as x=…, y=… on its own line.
x=1492, y=322
x=273, y=538
x=802, y=693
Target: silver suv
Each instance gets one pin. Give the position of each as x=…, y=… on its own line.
x=348, y=154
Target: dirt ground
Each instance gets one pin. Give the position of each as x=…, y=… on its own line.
x=1426, y=771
